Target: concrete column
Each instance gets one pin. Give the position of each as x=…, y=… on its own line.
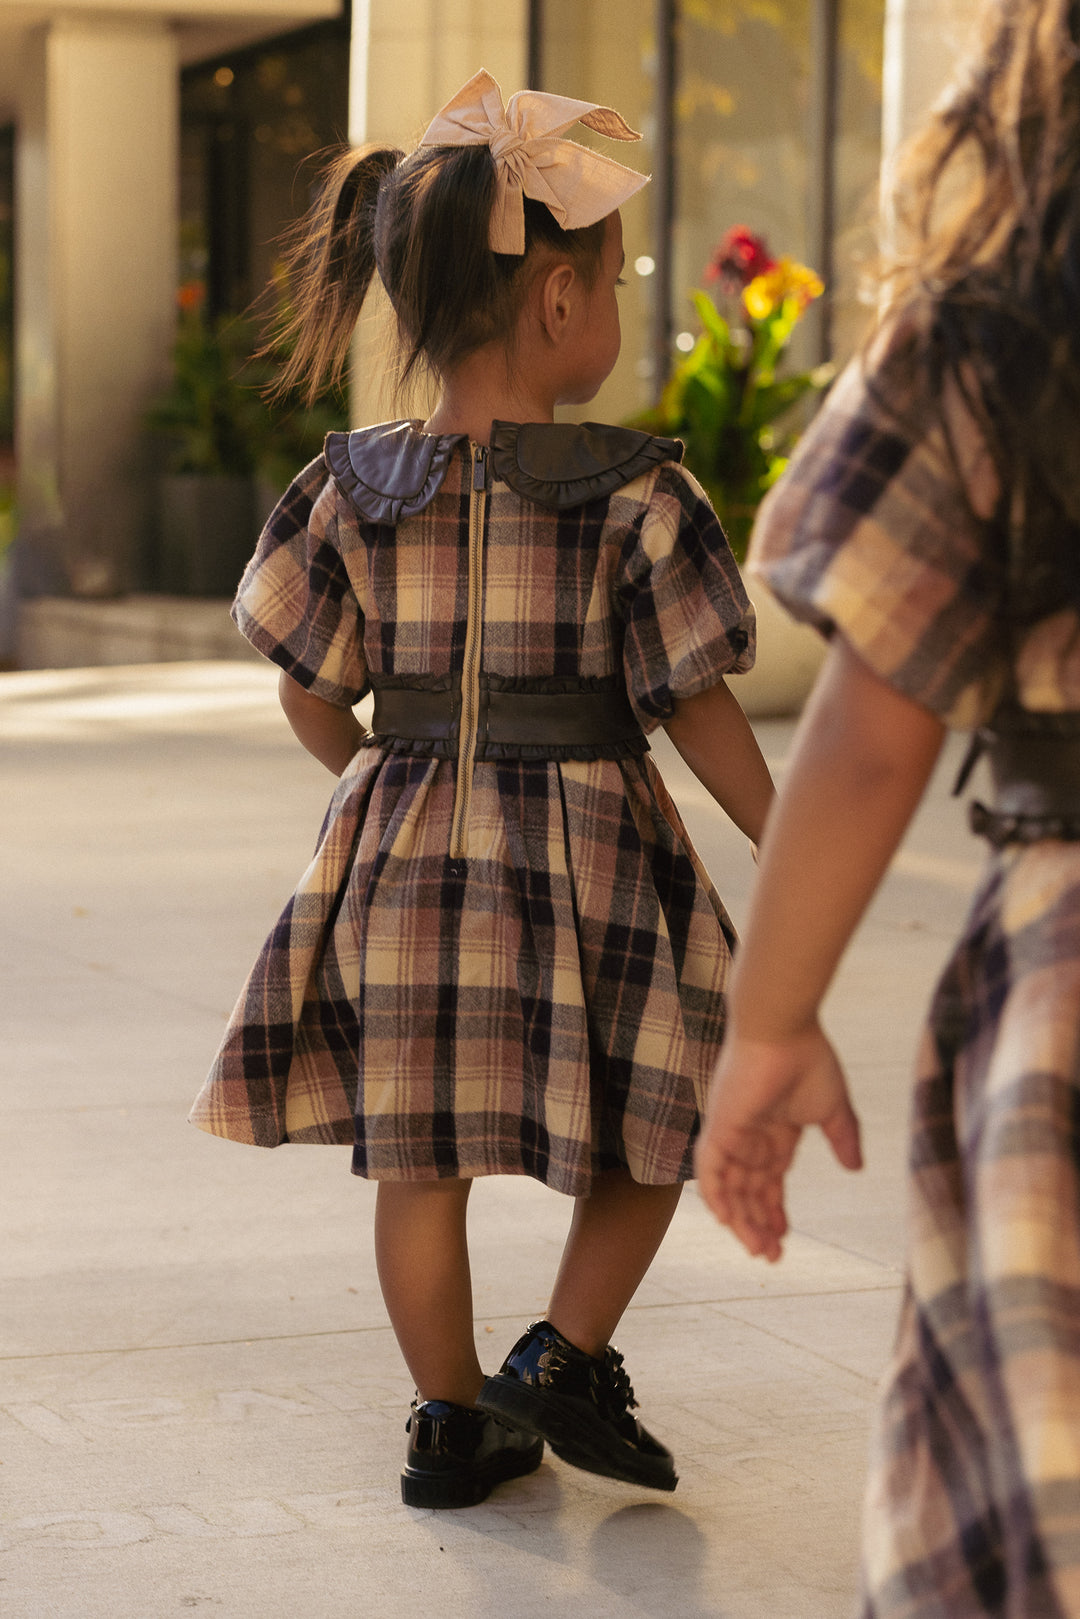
x=95, y=293
x=408, y=57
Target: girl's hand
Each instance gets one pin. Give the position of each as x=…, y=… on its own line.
x=763, y=1095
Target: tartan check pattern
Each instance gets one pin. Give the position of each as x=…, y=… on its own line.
x=552, y=1004
x=973, y=1503
x=869, y=532
x=973, y=1499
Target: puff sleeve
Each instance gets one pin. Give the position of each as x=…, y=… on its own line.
x=870, y=533
x=688, y=620
x=296, y=603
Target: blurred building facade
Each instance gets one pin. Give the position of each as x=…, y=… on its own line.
x=148, y=146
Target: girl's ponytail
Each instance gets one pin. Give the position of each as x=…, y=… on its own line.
x=330, y=260
x=423, y=223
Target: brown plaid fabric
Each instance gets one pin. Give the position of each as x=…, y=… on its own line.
x=869, y=531
x=973, y=1505
x=552, y=1004
x=973, y=1502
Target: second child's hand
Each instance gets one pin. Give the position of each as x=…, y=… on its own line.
x=763, y=1096
x=860, y=760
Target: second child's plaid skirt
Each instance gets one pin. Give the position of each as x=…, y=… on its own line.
x=973, y=1505
x=551, y=1006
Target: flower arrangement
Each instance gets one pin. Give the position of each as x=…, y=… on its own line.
x=724, y=397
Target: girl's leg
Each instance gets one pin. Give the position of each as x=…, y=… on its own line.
x=613, y=1239
x=561, y=1381
x=423, y=1263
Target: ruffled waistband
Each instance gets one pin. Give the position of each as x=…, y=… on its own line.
x=538, y=719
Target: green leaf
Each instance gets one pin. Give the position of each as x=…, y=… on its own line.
x=705, y=404
x=712, y=320
x=722, y=399
x=775, y=398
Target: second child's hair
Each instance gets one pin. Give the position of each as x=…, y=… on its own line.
x=986, y=283
x=422, y=223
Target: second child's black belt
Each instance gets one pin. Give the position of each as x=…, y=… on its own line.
x=1035, y=765
x=510, y=722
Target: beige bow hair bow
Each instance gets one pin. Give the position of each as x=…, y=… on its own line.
x=578, y=185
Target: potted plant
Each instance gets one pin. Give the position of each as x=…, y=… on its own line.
x=8, y=526
x=291, y=431
x=731, y=403
x=726, y=397
x=227, y=455
x=207, y=424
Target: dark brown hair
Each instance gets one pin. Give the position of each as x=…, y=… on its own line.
x=422, y=223
x=987, y=284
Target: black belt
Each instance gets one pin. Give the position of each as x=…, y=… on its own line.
x=602, y=720
x=1035, y=766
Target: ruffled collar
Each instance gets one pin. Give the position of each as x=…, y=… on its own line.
x=394, y=470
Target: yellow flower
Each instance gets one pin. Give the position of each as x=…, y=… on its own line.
x=786, y=279
x=758, y=297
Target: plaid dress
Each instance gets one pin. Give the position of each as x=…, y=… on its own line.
x=550, y=1004
x=973, y=1504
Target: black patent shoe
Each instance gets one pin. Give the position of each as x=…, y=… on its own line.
x=581, y=1405
x=456, y=1455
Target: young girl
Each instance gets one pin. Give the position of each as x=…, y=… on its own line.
x=506, y=957
x=932, y=520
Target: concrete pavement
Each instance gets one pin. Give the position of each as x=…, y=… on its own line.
x=201, y=1403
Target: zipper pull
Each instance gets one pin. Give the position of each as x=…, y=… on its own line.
x=479, y=474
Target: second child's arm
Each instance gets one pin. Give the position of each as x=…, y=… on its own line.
x=861, y=759
x=714, y=737
x=332, y=735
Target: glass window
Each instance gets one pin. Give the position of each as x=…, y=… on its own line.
x=741, y=147
x=856, y=165
x=606, y=51
x=247, y=123
x=742, y=154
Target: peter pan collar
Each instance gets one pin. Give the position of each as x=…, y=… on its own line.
x=394, y=470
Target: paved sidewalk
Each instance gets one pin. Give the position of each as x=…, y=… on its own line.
x=201, y=1404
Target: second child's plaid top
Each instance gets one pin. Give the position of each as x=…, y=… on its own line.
x=553, y=1003
x=973, y=1501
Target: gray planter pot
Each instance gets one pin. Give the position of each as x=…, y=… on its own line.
x=206, y=533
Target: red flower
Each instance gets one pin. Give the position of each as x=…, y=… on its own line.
x=191, y=295
x=740, y=257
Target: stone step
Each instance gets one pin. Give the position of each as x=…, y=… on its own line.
x=56, y=632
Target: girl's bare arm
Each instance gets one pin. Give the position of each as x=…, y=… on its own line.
x=331, y=734
x=861, y=759
x=714, y=737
